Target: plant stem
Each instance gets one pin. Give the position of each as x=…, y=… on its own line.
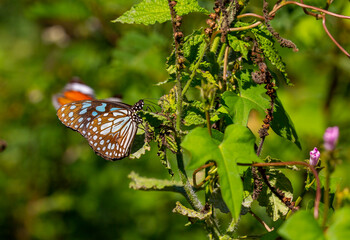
x=261, y=221
x=194, y=69
x=207, y=116
x=307, y=6
x=326, y=194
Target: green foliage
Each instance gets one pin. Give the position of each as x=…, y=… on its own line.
x=236, y=146
x=301, y=225
x=275, y=208
x=152, y=11
x=266, y=43
x=340, y=225
x=250, y=97
x=238, y=45
x=282, y=124
x=53, y=185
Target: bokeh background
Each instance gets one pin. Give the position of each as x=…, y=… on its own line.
x=52, y=185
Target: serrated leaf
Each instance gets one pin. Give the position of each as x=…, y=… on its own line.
x=301, y=226
x=141, y=151
x=193, y=118
x=208, y=76
x=282, y=124
x=238, y=45
x=274, y=206
x=181, y=209
x=152, y=11
x=193, y=45
x=152, y=184
x=236, y=146
x=251, y=96
x=266, y=43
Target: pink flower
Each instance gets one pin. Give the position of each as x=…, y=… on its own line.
x=330, y=138
x=314, y=157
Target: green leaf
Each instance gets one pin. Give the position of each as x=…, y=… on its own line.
x=266, y=43
x=152, y=184
x=282, y=124
x=194, y=44
x=251, y=96
x=301, y=226
x=201, y=147
x=340, y=225
x=238, y=45
x=275, y=208
x=152, y=11
x=236, y=146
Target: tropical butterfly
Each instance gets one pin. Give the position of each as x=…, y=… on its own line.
x=108, y=125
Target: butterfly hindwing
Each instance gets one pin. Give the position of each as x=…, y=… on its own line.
x=112, y=134
x=75, y=90
x=109, y=127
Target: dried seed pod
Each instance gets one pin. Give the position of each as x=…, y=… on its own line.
x=211, y=23
x=178, y=18
x=208, y=31
x=213, y=16
x=178, y=35
x=172, y=4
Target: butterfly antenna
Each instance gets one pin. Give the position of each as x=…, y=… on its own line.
x=150, y=108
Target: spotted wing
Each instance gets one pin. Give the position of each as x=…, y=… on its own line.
x=108, y=126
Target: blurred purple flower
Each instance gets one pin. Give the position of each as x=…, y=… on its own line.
x=314, y=157
x=330, y=138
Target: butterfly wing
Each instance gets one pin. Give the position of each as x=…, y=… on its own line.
x=75, y=90
x=108, y=126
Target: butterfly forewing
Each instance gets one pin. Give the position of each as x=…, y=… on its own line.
x=109, y=127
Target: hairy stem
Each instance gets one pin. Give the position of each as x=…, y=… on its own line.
x=179, y=63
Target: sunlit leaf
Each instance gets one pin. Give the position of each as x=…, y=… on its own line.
x=236, y=146
x=251, y=96
x=152, y=11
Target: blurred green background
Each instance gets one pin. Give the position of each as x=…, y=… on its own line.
x=52, y=185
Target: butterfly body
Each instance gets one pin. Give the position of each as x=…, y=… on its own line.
x=109, y=127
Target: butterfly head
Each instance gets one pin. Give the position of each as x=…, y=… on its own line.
x=137, y=107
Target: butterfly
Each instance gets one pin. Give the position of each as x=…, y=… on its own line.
x=109, y=126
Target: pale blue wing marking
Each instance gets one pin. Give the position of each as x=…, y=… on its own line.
x=86, y=104
x=102, y=107
x=83, y=111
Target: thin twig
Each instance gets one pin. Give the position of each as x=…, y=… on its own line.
x=332, y=38
x=307, y=6
x=250, y=15
x=318, y=184
x=224, y=74
x=261, y=221
x=245, y=27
